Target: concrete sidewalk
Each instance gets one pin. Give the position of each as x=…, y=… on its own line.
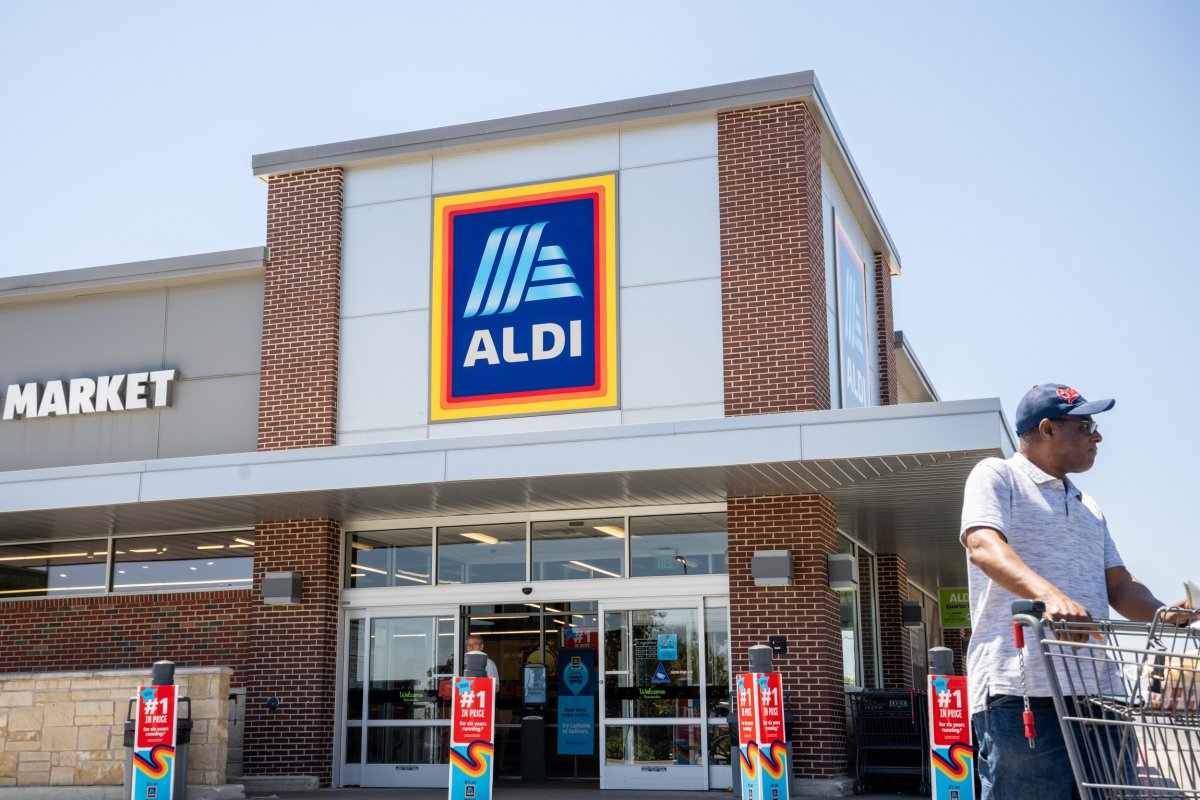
x=504, y=790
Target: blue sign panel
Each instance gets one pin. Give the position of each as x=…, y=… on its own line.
x=524, y=314
x=577, y=702
x=668, y=646
x=852, y=322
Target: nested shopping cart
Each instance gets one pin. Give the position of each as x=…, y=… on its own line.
x=891, y=728
x=1128, y=699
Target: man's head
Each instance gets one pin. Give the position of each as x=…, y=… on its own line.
x=1057, y=430
x=474, y=644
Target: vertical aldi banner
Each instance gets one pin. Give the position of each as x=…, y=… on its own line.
x=524, y=309
x=472, y=740
x=762, y=741
x=852, y=321
x=577, y=686
x=154, y=742
x=950, y=738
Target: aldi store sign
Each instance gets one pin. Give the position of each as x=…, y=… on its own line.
x=524, y=300
x=104, y=393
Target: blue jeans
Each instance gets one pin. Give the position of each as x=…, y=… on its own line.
x=1009, y=769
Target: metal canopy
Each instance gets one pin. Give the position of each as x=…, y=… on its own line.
x=896, y=474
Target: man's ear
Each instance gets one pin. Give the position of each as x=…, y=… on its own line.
x=1046, y=428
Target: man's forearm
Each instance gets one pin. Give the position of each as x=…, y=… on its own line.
x=1130, y=597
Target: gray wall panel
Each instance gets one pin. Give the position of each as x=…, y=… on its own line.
x=209, y=417
x=208, y=328
x=215, y=328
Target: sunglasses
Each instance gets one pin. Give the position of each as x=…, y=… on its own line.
x=1088, y=426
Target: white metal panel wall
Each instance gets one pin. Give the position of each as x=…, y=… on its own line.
x=834, y=203
x=670, y=348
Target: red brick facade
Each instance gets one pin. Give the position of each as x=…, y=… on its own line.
x=885, y=338
x=772, y=248
x=297, y=404
x=294, y=653
x=806, y=612
x=893, y=636
x=197, y=629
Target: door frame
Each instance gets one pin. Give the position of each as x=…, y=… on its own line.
x=666, y=777
x=384, y=775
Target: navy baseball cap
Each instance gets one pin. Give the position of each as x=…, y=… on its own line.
x=1053, y=400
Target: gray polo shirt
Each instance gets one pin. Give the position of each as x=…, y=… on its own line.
x=1060, y=533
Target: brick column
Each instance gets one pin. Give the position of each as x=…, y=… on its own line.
x=956, y=639
x=297, y=405
x=806, y=612
x=772, y=260
x=293, y=651
x=893, y=636
x=885, y=337
x=293, y=655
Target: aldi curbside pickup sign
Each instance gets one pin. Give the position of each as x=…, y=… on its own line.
x=104, y=393
x=524, y=300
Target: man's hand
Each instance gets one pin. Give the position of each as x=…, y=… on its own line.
x=1062, y=608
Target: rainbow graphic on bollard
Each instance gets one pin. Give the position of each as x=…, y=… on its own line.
x=950, y=753
x=154, y=742
x=762, y=742
x=472, y=738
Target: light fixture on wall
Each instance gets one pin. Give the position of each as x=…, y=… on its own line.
x=771, y=568
x=912, y=613
x=843, y=572
x=282, y=588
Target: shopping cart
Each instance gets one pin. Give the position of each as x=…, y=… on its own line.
x=1128, y=699
x=891, y=731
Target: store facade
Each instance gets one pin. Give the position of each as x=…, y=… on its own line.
x=561, y=381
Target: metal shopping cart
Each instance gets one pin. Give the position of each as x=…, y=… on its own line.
x=892, y=736
x=1128, y=699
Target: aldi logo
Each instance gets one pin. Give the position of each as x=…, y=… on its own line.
x=524, y=300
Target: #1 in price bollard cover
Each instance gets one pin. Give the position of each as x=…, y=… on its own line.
x=762, y=742
x=950, y=738
x=154, y=742
x=472, y=740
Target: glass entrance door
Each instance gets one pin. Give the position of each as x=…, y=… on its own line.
x=653, y=729
x=396, y=729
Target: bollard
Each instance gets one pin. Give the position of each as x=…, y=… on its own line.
x=162, y=673
x=941, y=661
x=475, y=665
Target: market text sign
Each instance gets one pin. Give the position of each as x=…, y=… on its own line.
x=472, y=743
x=154, y=742
x=950, y=738
x=762, y=740
x=129, y=392
x=524, y=300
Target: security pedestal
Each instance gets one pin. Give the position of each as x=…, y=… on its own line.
x=533, y=748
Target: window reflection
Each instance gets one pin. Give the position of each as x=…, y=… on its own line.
x=391, y=558
x=53, y=569
x=679, y=544
x=573, y=549
x=212, y=560
x=481, y=553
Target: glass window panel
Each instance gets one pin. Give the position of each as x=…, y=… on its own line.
x=679, y=544
x=412, y=659
x=653, y=744
x=633, y=653
x=53, y=569
x=716, y=640
x=408, y=745
x=868, y=623
x=213, y=560
x=391, y=558
x=353, y=745
x=848, y=611
x=481, y=553
x=355, y=670
x=573, y=549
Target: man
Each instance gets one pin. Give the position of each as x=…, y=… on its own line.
x=475, y=645
x=1030, y=533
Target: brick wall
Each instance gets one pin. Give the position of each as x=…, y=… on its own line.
x=297, y=404
x=956, y=639
x=294, y=653
x=893, y=636
x=126, y=631
x=806, y=612
x=772, y=261
x=885, y=339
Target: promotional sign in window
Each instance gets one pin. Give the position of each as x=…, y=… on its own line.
x=154, y=742
x=852, y=320
x=577, y=702
x=524, y=317
x=950, y=738
x=955, y=605
x=472, y=740
x=762, y=741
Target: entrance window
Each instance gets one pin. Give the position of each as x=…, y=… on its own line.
x=679, y=544
x=53, y=569
x=481, y=553
x=574, y=549
x=391, y=558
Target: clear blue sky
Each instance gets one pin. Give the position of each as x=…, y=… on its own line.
x=1034, y=162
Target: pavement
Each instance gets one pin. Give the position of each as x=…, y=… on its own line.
x=515, y=790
